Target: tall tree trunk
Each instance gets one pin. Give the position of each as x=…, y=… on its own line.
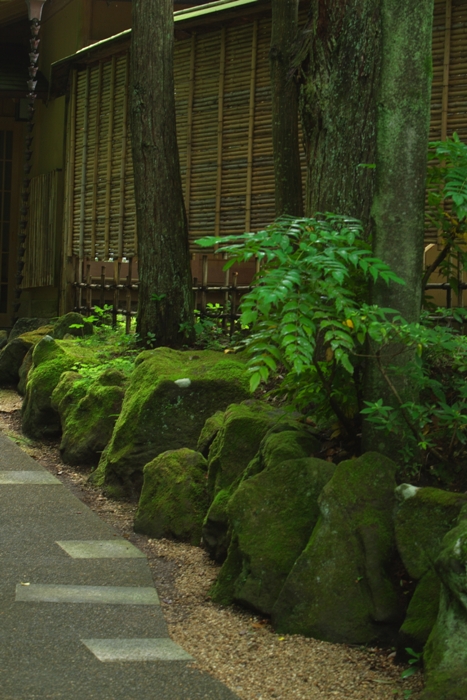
x=402, y=126
x=287, y=169
x=340, y=61
x=165, y=306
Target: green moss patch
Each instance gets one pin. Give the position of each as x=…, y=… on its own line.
x=272, y=516
x=340, y=589
x=50, y=359
x=88, y=412
x=174, y=497
x=170, y=395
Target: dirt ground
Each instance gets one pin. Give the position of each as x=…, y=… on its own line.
x=237, y=647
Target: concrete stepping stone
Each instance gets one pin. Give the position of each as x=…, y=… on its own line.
x=104, y=595
x=28, y=477
x=101, y=549
x=161, y=649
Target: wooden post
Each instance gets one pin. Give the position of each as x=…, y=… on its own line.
x=204, y=283
x=84, y=160
x=108, y=189
x=117, y=268
x=189, y=128
x=121, y=211
x=251, y=126
x=96, y=160
x=220, y=130
x=102, y=290
x=128, y=296
x=446, y=67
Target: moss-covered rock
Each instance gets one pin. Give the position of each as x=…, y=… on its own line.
x=238, y=441
x=340, y=588
x=23, y=372
x=272, y=516
x=445, y=655
x=27, y=325
x=50, y=359
x=72, y=323
x=14, y=352
x=170, y=396
x=423, y=516
x=283, y=438
x=210, y=429
x=174, y=497
x=88, y=412
x=421, y=614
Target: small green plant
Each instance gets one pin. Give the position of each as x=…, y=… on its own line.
x=414, y=661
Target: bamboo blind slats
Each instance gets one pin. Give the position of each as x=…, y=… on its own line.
x=41, y=254
x=223, y=103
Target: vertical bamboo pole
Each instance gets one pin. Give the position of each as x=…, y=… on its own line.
x=220, y=130
x=226, y=296
x=204, y=283
x=233, y=308
x=128, y=296
x=84, y=162
x=108, y=189
x=88, y=286
x=446, y=68
x=121, y=212
x=102, y=290
x=251, y=126
x=71, y=172
x=189, y=127
x=96, y=160
x=117, y=269
x=77, y=278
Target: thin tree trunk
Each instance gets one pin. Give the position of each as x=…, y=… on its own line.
x=165, y=306
x=287, y=169
x=340, y=60
x=402, y=126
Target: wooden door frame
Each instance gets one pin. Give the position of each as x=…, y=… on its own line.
x=9, y=124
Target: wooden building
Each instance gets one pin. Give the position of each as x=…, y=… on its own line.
x=82, y=229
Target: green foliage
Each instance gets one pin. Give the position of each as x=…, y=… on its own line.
x=415, y=658
x=435, y=427
x=447, y=205
x=306, y=310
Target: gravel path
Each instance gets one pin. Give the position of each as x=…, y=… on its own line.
x=235, y=646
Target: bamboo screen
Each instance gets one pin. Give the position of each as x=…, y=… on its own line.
x=224, y=131
x=40, y=266
x=225, y=142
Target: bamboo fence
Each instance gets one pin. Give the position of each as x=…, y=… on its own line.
x=223, y=104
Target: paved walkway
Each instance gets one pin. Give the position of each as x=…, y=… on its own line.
x=79, y=615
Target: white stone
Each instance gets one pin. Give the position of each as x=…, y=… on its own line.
x=405, y=491
x=183, y=383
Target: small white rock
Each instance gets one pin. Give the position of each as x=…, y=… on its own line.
x=183, y=383
x=405, y=491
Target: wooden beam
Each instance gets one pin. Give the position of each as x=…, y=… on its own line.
x=108, y=182
x=220, y=132
x=446, y=67
x=251, y=126
x=189, y=129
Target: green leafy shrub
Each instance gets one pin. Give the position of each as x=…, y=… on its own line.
x=306, y=310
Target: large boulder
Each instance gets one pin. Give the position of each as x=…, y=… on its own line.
x=340, y=588
x=174, y=497
x=50, y=359
x=445, y=655
x=272, y=515
x=422, y=518
x=170, y=395
x=88, y=412
x=14, y=352
x=27, y=325
x=72, y=323
x=253, y=437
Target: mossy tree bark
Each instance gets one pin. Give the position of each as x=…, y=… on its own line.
x=165, y=306
x=340, y=60
x=287, y=169
x=401, y=158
